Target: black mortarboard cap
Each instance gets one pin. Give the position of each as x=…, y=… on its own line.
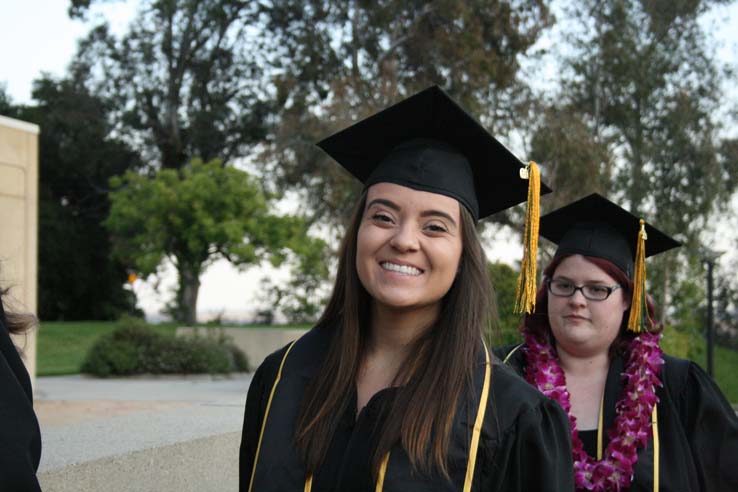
x=428, y=142
x=595, y=226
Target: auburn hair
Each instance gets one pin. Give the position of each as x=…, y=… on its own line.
x=538, y=324
x=441, y=361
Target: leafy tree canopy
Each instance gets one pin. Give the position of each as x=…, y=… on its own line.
x=193, y=216
x=77, y=156
x=640, y=90
x=6, y=102
x=505, y=284
x=335, y=62
x=185, y=78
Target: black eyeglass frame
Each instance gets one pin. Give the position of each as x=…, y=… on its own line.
x=610, y=289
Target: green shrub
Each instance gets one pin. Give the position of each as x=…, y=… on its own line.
x=505, y=283
x=682, y=341
x=111, y=357
x=135, y=348
x=238, y=358
x=203, y=355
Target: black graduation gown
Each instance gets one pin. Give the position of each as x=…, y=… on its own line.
x=698, y=429
x=524, y=444
x=20, y=436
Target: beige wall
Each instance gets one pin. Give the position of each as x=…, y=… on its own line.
x=19, y=221
x=256, y=343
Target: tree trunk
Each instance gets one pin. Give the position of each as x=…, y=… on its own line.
x=636, y=142
x=665, y=293
x=636, y=170
x=189, y=288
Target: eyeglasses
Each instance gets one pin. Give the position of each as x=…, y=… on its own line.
x=593, y=292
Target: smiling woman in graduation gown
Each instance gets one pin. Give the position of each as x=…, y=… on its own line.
x=339, y=410
x=691, y=441
x=20, y=437
x=520, y=433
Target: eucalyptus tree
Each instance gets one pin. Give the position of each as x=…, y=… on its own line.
x=338, y=61
x=186, y=78
x=78, y=153
x=642, y=75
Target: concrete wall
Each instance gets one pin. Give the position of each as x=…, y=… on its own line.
x=256, y=343
x=19, y=222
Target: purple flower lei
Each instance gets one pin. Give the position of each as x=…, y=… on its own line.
x=632, y=428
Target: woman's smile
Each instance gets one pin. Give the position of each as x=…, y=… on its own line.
x=401, y=269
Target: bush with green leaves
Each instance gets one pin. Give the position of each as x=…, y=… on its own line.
x=505, y=283
x=134, y=348
x=199, y=214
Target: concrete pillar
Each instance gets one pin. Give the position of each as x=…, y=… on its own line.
x=19, y=223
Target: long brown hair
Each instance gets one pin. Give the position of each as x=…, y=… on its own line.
x=15, y=322
x=441, y=362
x=538, y=323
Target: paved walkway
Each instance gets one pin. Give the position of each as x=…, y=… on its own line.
x=84, y=419
x=155, y=434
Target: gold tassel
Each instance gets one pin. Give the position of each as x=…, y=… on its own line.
x=525, y=298
x=639, y=319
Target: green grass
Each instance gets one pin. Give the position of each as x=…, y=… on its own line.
x=62, y=345
x=726, y=371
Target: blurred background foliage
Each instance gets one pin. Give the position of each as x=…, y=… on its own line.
x=635, y=110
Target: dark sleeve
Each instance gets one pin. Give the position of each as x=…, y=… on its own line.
x=536, y=455
x=20, y=438
x=252, y=420
x=711, y=427
x=12, y=357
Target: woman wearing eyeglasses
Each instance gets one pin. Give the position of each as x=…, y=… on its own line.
x=640, y=420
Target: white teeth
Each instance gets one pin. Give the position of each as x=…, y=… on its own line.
x=403, y=269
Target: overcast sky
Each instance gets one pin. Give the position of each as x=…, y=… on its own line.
x=37, y=36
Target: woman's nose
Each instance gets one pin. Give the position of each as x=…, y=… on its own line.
x=577, y=298
x=405, y=238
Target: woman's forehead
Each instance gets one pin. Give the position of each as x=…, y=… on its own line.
x=580, y=268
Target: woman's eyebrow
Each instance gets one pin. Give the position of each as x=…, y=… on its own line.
x=586, y=282
x=438, y=213
x=385, y=202
x=561, y=277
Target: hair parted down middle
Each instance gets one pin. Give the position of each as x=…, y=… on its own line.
x=440, y=363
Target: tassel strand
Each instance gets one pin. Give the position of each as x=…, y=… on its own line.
x=525, y=297
x=639, y=319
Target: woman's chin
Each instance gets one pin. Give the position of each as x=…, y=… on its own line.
x=582, y=348
x=406, y=304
